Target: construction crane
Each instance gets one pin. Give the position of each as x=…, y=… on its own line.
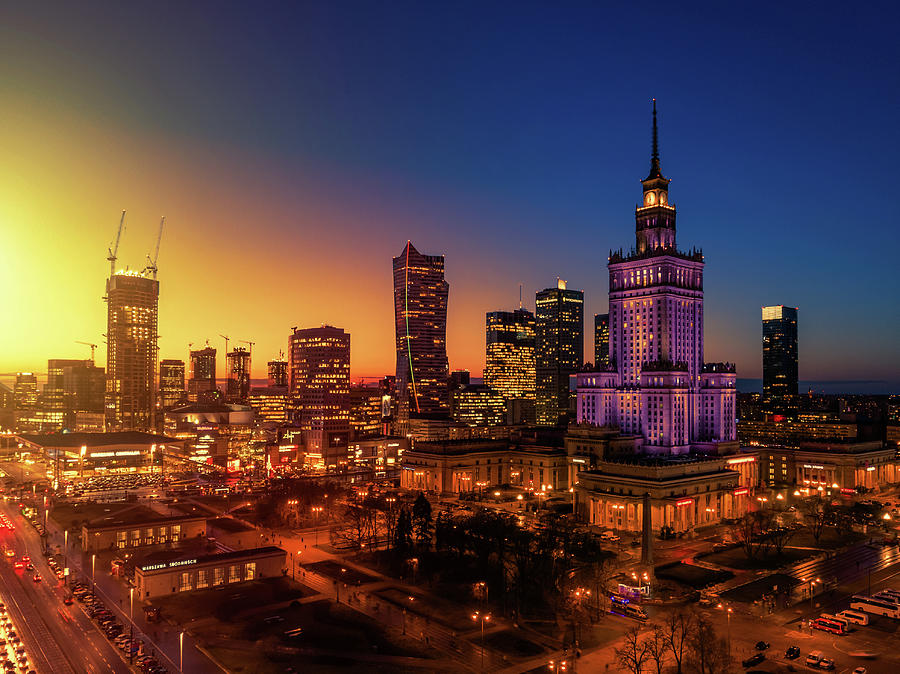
x=245, y=341
x=227, y=339
x=114, y=251
x=151, y=262
x=93, y=346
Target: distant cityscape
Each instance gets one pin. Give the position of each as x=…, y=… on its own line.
x=569, y=505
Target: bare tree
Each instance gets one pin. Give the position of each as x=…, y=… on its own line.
x=357, y=528
x=676, y=631
x=633, y=653
x=779, y=537
x=707, y=652
x=816, y=513
x=749, y=531
x=657, y=649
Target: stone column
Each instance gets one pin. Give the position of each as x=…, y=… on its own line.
x=647, y=537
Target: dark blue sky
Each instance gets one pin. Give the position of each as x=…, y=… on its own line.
x=511, y=137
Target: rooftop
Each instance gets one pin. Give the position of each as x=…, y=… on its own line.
x=174, y=558
x=96, y=439
x=138, y=515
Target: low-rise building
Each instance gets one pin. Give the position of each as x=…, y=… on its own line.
x=830, y=465
x=139, y=527
x=458, y=466
x=163, y=574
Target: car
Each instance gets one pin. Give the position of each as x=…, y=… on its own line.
x=29, y=566
x=792, y=653
x=36, y=578
x=860, y=670
x=26, y=558
x=68, y=599
x=19, y=565
x=10, y=553
x=826, y=663
x=754, y=659
x=762, y=645
x=609, y=536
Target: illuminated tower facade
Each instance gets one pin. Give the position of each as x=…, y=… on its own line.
x=420, y=313
x=171, y=383
x=780, y=371
x=131, y=356
x=278, y=372
x=510, y=365
x=657, y=385
x=202, y=383
x=559, y=314
x=237, y=371
x=320, y=387
x=601, y=341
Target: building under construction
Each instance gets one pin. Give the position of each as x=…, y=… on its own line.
x=131, y=331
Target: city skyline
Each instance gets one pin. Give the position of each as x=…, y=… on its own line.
x=485, y=203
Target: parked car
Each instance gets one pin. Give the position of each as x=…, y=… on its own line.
x=754, y=659
x=792, y=653
x=762, y=645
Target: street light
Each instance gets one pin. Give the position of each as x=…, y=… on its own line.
x=93, y=562
x=181, y=652
x=728, y=611
x=483, y=617
x=66, y=555
x=131, y=618
x=316, y=510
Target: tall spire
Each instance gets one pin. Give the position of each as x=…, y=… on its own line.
x=654, y=158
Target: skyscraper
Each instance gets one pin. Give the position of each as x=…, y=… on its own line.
x=202, y=384
x=237, y=371
x=509, y=363
x=320, y=386
x=601, y=341
x=131, y=355
x=278, y=372
x=559, y=314
x=780, y=385
x=659, y=386
x=25, y=391
x=420, y=313
x=73, y=386
x=171, y=383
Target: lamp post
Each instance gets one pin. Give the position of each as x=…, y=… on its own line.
x=728, y=611
x=181, y=652
x=93, y=563
x=482, y=617
x=316, y=510
x=66, y=556
x=131, y=619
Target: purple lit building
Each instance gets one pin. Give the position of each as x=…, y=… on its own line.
x=655, y=447
x=656, y=385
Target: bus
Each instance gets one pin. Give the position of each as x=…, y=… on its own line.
x=828, y=625
x=886, y=596
x=854, y=617
x=626, y=608
x=874, y=606
x=848, y=627
x=890, y=591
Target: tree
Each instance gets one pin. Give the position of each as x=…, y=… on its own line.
x=633, y=653
x=816, y=513
x=357, y=528
x=657, y=649
x=749, y=531
x=779, y=537
x=676, y=632
x=421, y=520
x=708, y=653
x=403, y=532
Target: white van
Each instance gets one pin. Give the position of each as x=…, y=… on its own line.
x=814, y=658
x=855, y=617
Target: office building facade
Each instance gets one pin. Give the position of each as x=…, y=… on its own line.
x=278, y=372
x=510, y=361
x=420, y=314
x=320, y=388
x=237, y=371
x=171, y=383
x=131, y=357
x=202, y=382
x=559, y=322
x=780, y=372
x=73, y=387
x=601, y=341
